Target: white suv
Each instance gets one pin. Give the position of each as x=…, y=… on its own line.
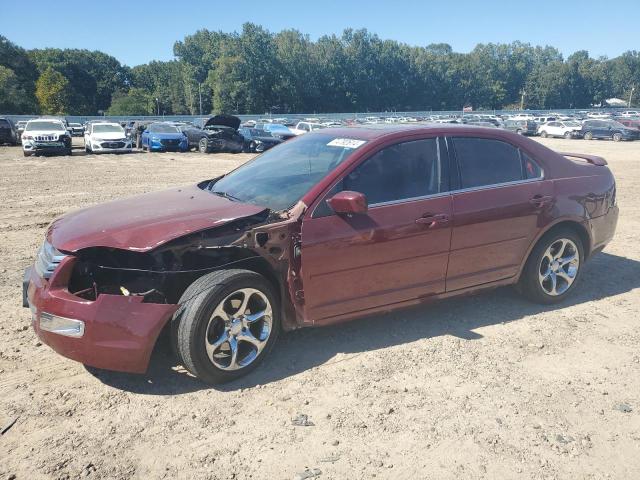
x=106, y=137
x=304, y=127
x=560, y=129
x=44, y=135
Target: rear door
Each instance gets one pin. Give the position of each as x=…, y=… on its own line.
x=395, y=252
x=499, y=206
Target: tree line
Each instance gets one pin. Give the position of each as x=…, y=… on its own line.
x=257, y=71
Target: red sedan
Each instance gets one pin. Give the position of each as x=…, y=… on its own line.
x=333, y=225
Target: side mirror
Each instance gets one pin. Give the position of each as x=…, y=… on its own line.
x=348, y=202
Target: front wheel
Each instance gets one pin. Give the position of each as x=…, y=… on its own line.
x=567, y=135
x=553, y=267
x=588, y=136
x=227, y=323
x=519, y=132
x=543, y=134
x=617, y=137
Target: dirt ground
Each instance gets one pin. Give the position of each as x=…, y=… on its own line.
x=489, y=386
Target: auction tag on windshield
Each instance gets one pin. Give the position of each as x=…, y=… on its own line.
x=345, y=143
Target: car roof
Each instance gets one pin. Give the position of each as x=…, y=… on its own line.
x=378, y=130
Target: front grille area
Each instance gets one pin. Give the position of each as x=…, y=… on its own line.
x=48, y=260
x=112, y=144
x=170, y=142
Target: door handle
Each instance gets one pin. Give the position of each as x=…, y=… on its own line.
x=432, y=220
x=540, y=200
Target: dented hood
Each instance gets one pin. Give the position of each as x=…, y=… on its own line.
x=144, y=222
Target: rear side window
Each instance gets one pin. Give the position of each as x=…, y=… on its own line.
x=487, y=162
x=4, y=123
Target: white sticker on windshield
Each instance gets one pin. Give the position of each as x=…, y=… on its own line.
x=345, y=143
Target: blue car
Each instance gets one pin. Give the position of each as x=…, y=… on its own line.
x=164, y=137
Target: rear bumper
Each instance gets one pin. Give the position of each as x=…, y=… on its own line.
x=118, y=332
x=603, y=229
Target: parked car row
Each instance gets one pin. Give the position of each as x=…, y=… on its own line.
x=220, y=133
x=225, y=133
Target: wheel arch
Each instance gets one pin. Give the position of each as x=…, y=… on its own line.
x=575, y=225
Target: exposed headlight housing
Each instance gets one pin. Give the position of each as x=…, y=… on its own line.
x=48, y=260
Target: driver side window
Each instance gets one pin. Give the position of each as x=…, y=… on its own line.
x=399, y=172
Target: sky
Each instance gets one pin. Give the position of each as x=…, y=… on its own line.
x=137, y=32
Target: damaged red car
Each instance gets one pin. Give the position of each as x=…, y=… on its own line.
x=331, y=226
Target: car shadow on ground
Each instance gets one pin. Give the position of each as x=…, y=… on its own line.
x=604, y=276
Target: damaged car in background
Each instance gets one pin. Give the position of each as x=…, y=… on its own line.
x=331, y=226
x=46, y=136
x=216, y=134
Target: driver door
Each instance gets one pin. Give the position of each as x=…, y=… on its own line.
x=396, y=252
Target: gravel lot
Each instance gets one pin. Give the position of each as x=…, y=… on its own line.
x=482, y=387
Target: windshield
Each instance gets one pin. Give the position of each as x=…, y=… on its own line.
x=274, y=127
x=162, y=128
x=44, y=126
x=107, y=129
x=281, y=176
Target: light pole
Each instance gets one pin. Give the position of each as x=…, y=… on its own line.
x=523, y=92
x=158, y=102
x=633, y=87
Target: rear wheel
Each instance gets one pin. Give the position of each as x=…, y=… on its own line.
x=588, y=136
x=543, y=134
x=567, y=135
x=553, y=267
x=203, y=145
x=617, y=137
x=26, y=154
x=519, y=132
x=227, y=323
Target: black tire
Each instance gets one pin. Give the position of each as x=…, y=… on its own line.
x=530, y=285
x=203, y=145
x=588, y=136
x=543, y=134
x=27, y=154
x=68, y=152
x=616, y=137
x=567, y=135
x=190, y=323
x=519, y=131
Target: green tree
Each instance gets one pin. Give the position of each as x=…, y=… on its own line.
x=18, y=77
x=52, y=91
x=134, y=102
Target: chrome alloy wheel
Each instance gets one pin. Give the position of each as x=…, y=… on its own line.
x=239, y=329
x=559, y=267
